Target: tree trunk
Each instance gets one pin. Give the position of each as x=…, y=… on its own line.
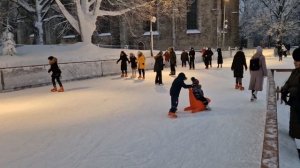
x=39, y=23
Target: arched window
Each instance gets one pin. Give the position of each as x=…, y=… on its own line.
x=192, y=16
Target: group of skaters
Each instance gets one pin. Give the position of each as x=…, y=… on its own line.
x=207, y=54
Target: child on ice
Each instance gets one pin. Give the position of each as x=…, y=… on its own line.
x=177, y=84
x=198, y=92
x=133, y=63
x=56, y=72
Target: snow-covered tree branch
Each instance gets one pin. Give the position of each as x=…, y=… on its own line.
x=89, y=10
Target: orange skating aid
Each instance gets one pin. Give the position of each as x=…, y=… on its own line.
x=195, y=105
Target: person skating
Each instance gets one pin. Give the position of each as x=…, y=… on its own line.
x=237, y=66
x=158, y=67
x=133, y=63
x=141, y=60
x=220, y=57
x=56, y=74
x=172, y=61
x=257, y=75
x=123, y=58
x=175, y=89
x=198, y=93
x=184, y=58
x=192, y=58
x=207, y=56
x=292, y=88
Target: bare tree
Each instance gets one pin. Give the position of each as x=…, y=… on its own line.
x=274, y=18
x=89, y=10
x=39, y=9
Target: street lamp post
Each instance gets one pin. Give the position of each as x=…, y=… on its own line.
x=152, y=20
x=224, y=23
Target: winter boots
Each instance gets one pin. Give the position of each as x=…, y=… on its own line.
x=172, y=115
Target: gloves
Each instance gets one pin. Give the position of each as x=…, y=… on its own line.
x=49, y=70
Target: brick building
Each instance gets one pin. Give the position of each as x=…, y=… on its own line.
x=203, y=25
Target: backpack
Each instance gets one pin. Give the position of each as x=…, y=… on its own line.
x=254, y=64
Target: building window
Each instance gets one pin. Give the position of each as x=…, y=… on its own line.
x=192, y=16
x=104, y=25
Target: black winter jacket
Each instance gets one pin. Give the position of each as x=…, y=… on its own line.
x=177, y=84
x=238, y=64
x=54, y=68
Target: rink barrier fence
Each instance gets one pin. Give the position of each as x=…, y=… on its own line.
x=29, y=76
x=21, y=77
x=270, y=153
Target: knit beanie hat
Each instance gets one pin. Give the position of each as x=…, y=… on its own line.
x=296, y=54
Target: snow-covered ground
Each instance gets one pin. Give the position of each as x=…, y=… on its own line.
x=112, y=122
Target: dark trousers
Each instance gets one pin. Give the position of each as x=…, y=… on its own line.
x=238, y=81
x=173, y=71
x=57, y=79
x=174, y=104
x=158, y=77
x=183, y=63
x=142, y=71
x=192, y=64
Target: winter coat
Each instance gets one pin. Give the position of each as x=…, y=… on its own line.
x=123, y=58
x=257, y=77
x=172, y=57
x=198, y=93
x=207, y=55
x=192, y=55
x=159, y=63
x=220, y=57
x=184, y=57
x=133, y=62
x=141, y=61
x=292, y=87
x=177, y=84
x=238, y=64
x=56, y=72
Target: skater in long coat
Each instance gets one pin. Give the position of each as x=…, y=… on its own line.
x=257, y=77
x=220, y=57
x=292, y=88
x=172, y=61
x=123, y=58
x=158, y=67
x=237, y=66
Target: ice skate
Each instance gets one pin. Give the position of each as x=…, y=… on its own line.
x=54, y=89
x=61, y=89
x=242, y=88
x=172, y=115
x=237, y=86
